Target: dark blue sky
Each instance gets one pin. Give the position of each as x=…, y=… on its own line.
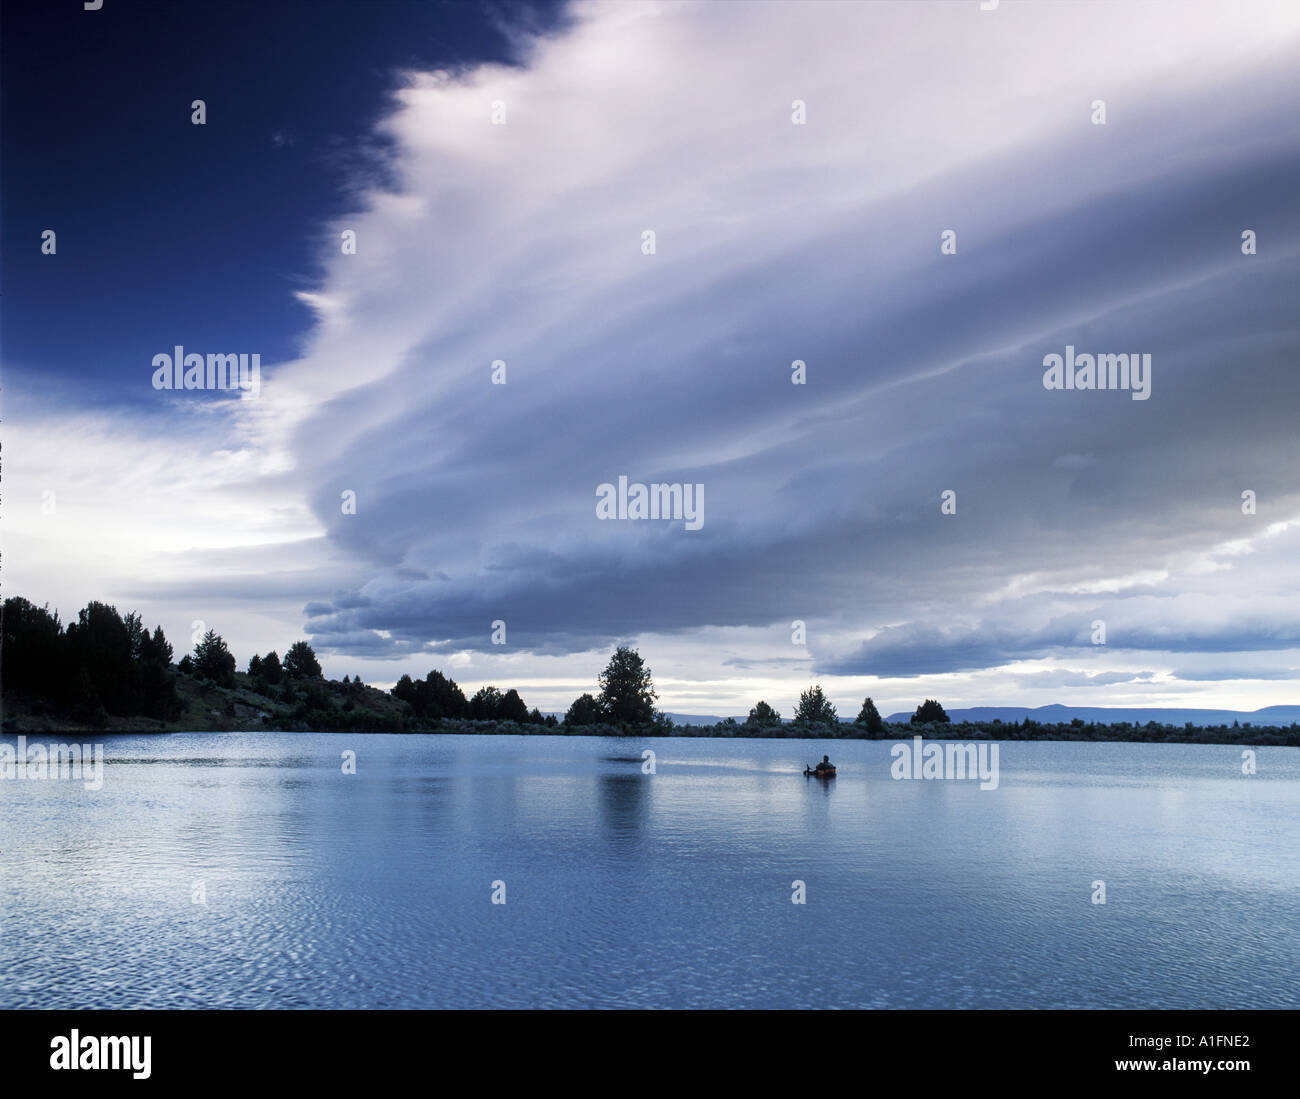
x=169, y=231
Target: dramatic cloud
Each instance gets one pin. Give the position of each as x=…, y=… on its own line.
x=774, y=242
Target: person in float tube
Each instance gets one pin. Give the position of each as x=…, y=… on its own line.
x=825, y=764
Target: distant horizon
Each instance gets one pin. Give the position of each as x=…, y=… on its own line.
x=954, y=713
x=785, y=706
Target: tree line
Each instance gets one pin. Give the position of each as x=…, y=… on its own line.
x=106, y=664
x=101, y=664
x=627, y=699
x=438, y=698
x=816, y=709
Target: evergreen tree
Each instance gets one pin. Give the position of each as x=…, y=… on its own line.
x=100, y=643
x=815, y=709
x=155, y=680
x=486, y=704
x=869, y=718
x=300, y=662
x=445, y=698
x=33, y=650
x=584, y=711
x=434, y=697
x=626, y=691
x=930, y=713
x=136, y=634
x=214, y=661
x=512, y=708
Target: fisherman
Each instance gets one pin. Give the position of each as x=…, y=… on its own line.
x=825, y=764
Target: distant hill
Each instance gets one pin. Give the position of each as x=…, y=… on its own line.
x=1269, y=715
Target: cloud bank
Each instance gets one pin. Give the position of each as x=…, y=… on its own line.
x=522, y=243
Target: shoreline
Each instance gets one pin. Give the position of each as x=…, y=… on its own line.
x=1210, y=736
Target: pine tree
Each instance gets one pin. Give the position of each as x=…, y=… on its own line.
x=763, y=715
x=869, y=718
x=815, y=709
x=213, y=660
x=584, y=711
x=300, y=662
x=930, y=713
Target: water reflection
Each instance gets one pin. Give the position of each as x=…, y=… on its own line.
x=624, y=802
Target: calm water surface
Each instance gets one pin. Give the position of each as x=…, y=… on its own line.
x=631, y=890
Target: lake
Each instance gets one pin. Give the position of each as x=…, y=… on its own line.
x=236, y=870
